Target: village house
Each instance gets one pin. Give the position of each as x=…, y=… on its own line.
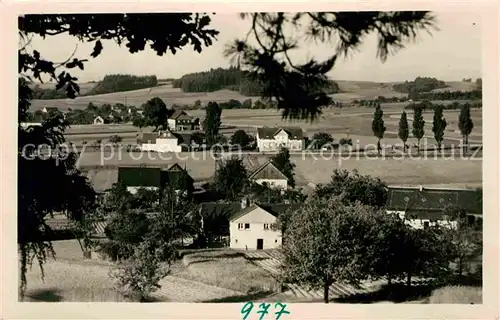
x=249, y=225
x=179, y=120
x=164, y=141
x=268, y=174
x=101, y=120
x=155, y=178
x=424, y=207
x=272, y=139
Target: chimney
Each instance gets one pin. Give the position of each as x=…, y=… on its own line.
x=244, y=203
x=421, y=188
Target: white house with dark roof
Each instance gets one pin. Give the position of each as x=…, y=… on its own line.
x=165, y=141
x=254, y=227
x=272, y=139
x=423, y=207
x=268, y=174
x=179, y=120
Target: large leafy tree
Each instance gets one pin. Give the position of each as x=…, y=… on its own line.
x=212, y=122
x=354, y=187
x=155, y=112
x=328, y=241
x=241, y=138
x=282, y=161
x=230, y=180
x=322, y=139
x=294, y=86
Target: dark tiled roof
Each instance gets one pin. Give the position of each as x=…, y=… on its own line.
x=180, y=115
x=412, y=199
x=267, y=171
x=140, y=176
x=295, y=133
x=52, y=109
x=147, y=137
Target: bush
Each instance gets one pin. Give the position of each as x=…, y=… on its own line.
x=345, y=142
x=457, y=295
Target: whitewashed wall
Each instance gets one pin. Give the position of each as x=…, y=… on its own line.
x=247, y=239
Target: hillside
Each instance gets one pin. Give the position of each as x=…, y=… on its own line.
x=350, y=90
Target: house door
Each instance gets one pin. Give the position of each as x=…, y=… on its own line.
x=260, y=244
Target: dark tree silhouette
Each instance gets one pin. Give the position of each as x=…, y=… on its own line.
x=378, y=127
x=438, y=125
x=403, y=131
x=465, y=124
x=418, y=125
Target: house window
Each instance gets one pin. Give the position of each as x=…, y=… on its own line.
x=247, y=226
x=240, y=226
x=266, y=226
x=275, y=240
x=426, y=224
x=235, y=240
x=273, y=226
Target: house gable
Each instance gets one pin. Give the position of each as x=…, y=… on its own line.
x=253, y=214
x=267, y=171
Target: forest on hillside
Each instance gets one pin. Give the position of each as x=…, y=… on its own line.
x=231, y=79
x=109, y=84
x=123, y=82
x=420, y=84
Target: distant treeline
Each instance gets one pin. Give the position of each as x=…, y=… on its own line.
x=451, y=95
x=420, y=84
x=231, y=79
x=109, y=84
x=123, y=82
x=427, y=105
x=47, y=94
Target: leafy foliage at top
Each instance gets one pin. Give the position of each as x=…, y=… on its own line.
x=134, y=30
x=297, y=87
x=354, y=187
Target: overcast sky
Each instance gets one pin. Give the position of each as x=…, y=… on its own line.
x=452, y=53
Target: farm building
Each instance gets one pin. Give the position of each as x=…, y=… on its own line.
x=153, y=178
x=270, y=175
x=423, y=207
x=166, y=141
x=101, y=120
x=179, y=120
x=272, y=139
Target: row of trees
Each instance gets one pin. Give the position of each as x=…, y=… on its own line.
x=455, y=105
x=439, y=124
x=451, y=95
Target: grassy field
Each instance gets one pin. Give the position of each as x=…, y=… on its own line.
x=226, y=269
x=457, y=295
x=308, y=169
x=350, y=90
x=352, y=122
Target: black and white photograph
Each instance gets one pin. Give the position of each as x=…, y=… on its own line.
x=326, y=157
